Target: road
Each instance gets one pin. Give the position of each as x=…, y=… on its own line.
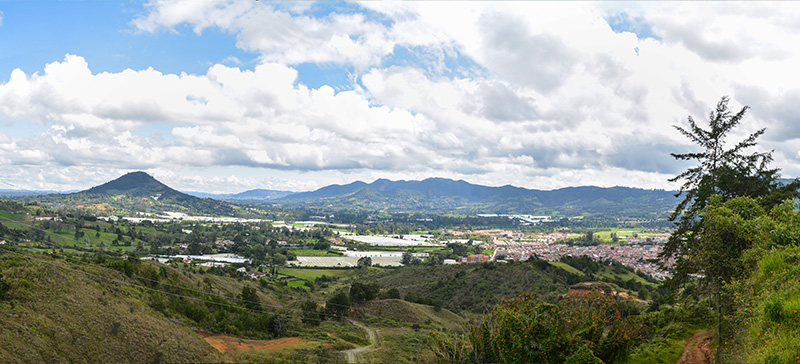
x=356, y=355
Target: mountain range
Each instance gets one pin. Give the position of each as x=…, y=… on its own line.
x=250, y=195
x=446, y=195
x=140, y=192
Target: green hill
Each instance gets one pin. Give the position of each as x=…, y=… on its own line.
x=445, y=195
x=395, y=312
x=55, y=311
x=474, y=288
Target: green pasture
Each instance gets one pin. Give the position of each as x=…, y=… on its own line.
x=311, y=274
x=312, y=253
x=567, y=267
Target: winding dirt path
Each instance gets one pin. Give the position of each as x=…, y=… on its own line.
x=697, y=350
x=355, y=355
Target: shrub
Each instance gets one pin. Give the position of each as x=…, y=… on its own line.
x=523, y=330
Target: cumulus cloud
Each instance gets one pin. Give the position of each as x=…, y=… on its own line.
x=276, y=34
x=562, y=98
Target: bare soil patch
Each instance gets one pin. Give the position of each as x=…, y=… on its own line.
x=225, y=343
x=697, y=350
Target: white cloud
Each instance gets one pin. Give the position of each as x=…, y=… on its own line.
x=278, y=35
x=564, y=99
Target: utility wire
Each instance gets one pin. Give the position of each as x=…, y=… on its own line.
x=154, y=289
x=152, y=280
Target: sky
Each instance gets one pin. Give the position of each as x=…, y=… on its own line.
x=228, y=96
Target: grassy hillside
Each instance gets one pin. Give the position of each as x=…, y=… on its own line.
x=55, y=311
x=395, y=312
x=473, y=287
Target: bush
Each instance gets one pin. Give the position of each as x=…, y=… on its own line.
x=522, y=330
x=4, y=288
x=584, y=355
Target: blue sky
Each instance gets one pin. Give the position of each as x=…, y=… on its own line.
x=225, y=96
x=35, y=33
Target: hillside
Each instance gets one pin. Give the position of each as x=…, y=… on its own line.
x=138, y=192
x=473, y=287
x=396, y=312
x=476, y=288
x=58, y=312
x=445, y=195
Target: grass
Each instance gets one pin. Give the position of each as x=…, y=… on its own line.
x=297, y=283
x=5, y=216
x=62, y=312
x=65, y=250
x=310, y=274
x=608, y=273
x=397, y=312
x=313, y=253
x=567, y=268
x=402, y=345
x=605, y=235
x=657, y=351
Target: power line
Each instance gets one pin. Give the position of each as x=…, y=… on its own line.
x=157, y=290
x=158, y=281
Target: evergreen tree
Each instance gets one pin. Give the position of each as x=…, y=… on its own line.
x=726, y=172
x=723, y=173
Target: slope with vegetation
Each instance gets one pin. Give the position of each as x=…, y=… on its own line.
x=444, y=195
x=55, y=311
x=138, y=192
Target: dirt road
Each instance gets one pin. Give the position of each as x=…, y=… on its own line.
x=697, y=350
x=355, y=355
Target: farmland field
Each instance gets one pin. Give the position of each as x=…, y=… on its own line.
x=343, y=262
x=311, y=274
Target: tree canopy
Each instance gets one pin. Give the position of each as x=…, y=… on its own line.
x=723, y=169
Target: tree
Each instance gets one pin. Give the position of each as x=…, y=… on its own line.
x=360, y=292
x=338, y=305
x=4, y=288
x=696, y=246
x=250, y=298
x=310, y=316
x=391, y=293
x=409, y=259
x=364, y=262
x=726, y=172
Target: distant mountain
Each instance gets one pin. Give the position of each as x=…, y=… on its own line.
x=18, y=193
x=137, y=184
x=139, y=192
x=261, y=194
x=257, y=194
x=442, y=195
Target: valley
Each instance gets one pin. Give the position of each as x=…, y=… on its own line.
x=255, y=289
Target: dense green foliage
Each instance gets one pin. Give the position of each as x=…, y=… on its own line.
x=338, y=306
x=761, y=302
x=524, y=330
x=477, y=288
x=725, y=173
